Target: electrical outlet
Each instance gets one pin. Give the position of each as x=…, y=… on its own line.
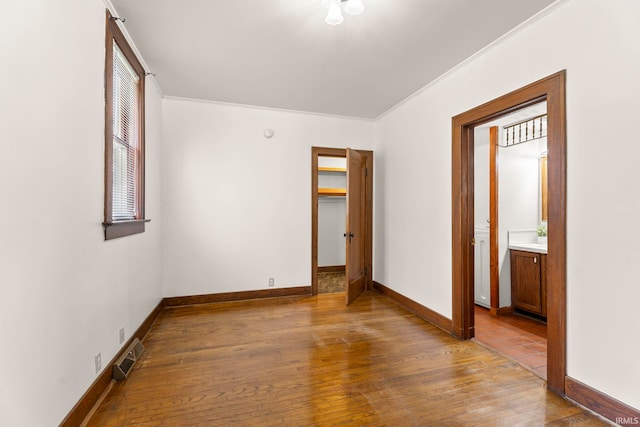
x=98, y=362
x=121, y=335
x=272, y=282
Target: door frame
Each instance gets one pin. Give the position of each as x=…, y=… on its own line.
x=552, y=89
x=368, y=255
x=494, y=222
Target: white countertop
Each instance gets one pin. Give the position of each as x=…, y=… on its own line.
x=540, y=248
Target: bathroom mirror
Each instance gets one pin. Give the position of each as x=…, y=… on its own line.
x=544, y=192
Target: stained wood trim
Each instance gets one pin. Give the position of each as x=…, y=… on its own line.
x=504, y=310
x=124, y=228
x=96, y=391
x=368, y=249
x=557, y=244
x=462, y=229
x=607, y=406
x=544, y=189
x=494, y=259
x=332, y=269
x=552, y=89
x=315, y=153
x=418, y=309
x=236, y=296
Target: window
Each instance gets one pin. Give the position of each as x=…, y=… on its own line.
x=124, y=137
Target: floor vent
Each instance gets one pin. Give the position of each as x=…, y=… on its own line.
x=124, y=364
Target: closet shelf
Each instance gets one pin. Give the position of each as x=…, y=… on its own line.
x=328, y=169
x=332, y=191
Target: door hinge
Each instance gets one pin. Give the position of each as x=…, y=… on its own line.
x=473, y=242
x=365, y=271
x=366, y=171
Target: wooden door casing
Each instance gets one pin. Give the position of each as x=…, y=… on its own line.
x=368, y=195
x=553, y=90
x=494, y=257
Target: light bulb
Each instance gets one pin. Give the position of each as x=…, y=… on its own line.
x=354, y=7
x=334, y=16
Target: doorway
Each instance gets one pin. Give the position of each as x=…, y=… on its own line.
x=358, y=191
x=332, y=224
x=509, y=212
x=552, y=90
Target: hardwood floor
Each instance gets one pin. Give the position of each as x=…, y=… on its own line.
x=307, y=361
x=522, y=339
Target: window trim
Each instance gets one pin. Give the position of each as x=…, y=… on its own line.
x=120, y=228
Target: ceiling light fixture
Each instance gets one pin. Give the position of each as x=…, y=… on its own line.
x=334, y=15
x=354, y=7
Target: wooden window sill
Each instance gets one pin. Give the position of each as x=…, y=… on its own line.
x=113, y=230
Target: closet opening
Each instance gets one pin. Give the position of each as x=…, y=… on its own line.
x=332, y=224
x=341, y=218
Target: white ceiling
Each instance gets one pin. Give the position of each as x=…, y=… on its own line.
x=281, y=53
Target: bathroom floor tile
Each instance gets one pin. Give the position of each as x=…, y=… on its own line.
x=537, y=360
x=520, y=338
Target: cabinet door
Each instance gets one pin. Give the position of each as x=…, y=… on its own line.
x=526, y=292
x=543, y=283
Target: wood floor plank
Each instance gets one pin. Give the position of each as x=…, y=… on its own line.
x=311, y=361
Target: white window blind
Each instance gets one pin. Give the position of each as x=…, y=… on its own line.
x=125, y=137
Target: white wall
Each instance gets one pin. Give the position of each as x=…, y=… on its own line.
x=518, y=183
x=332, y=223
x=332, y=214
x=238, y=205
x=63, y=301
x=596, y=42
x=332, y=162
x=481, y=159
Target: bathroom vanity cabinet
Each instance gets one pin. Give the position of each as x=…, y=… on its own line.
x=529, y=281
